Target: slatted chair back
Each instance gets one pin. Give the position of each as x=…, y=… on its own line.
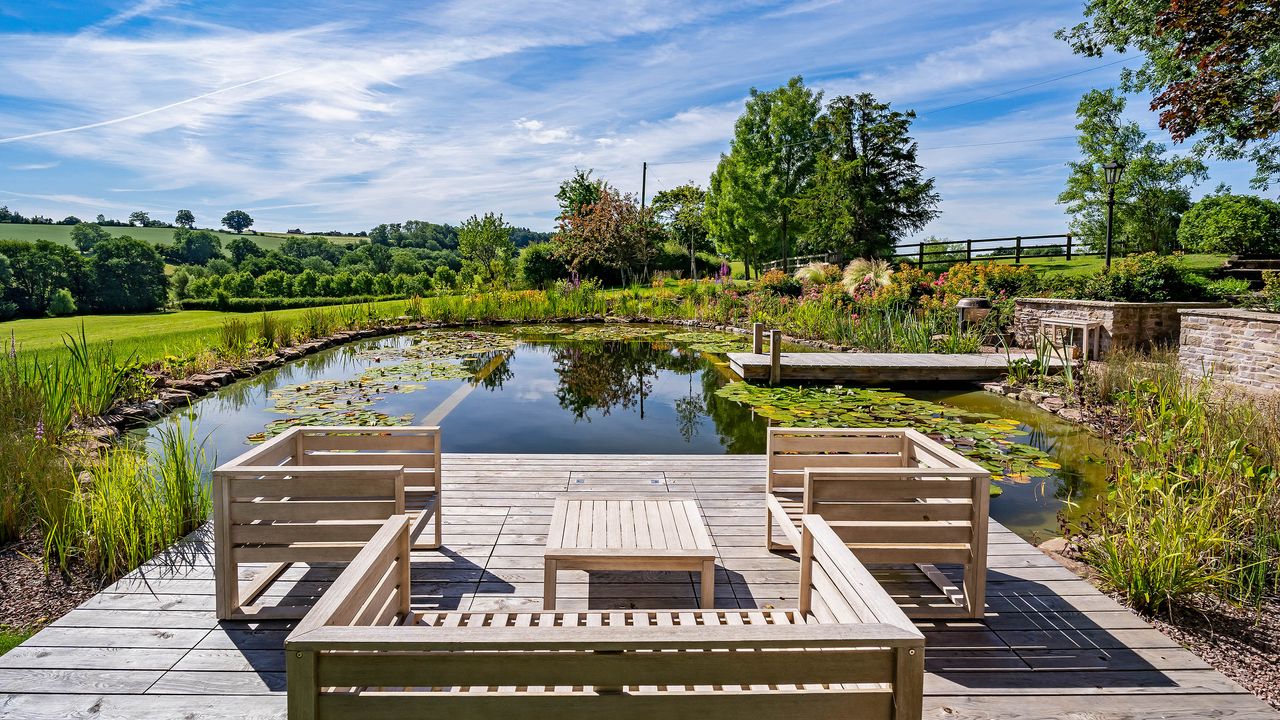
x=280, y=515
x=791, y=450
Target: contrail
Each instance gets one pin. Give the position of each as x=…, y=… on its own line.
x=144, y=113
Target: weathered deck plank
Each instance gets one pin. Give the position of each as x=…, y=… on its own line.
x=1050, y=646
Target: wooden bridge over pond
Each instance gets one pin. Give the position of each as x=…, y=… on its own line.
x=1050, y=645
x=876, y=369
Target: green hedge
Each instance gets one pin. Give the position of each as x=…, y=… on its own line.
x=258, y=304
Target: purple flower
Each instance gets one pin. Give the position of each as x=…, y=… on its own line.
x=40, y=429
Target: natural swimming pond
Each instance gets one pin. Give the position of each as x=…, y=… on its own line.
x=630, y=389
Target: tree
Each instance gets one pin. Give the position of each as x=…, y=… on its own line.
x=185, y=218
x=238, y=284
x=39, y=270
x=579, y=192
x=195, y=247
x=1152, y=193
x=773, y=153
x=868, y=191
x=682, y=210
x=242, y=248
x=1212, y=68
x=486, y=247
x=611, y=233
x=86, y=235
x=539, y=266
x=1235, y=224
x=405, y=262
x=129, y=276
x=275, y=283
x=62, y=303
x=306, y=284
x=139, y=218
x=726, y=215
x=237, y=221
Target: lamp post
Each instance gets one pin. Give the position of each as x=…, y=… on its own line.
x=1111, y=172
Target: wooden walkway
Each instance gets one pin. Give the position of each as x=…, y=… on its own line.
x=1051, y=646
x=876, y=368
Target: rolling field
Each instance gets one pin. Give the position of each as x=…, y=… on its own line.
x=148, y=336
x=61, y=234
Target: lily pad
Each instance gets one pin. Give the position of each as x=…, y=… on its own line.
x=616, y=332
x=329, y=417
x=716, y=343
x=541, y=330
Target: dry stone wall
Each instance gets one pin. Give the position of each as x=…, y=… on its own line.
x=1240, y=347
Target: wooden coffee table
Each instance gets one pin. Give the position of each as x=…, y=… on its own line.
x=614, y=534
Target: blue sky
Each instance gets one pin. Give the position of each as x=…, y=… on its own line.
x=342, y=115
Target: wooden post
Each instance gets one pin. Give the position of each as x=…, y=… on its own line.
x=805, y=603
x=921, y=256
x=226, y=574
x=775, y=357
x=1068, y=247
x=757, y=338
x=908, y=683
x=1017, y=250
x=968, y=250
x=302, y=686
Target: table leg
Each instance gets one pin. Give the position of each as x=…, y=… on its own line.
x=708, y=584
x=549, y=584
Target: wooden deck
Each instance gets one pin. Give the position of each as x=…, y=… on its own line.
x=1051, y=646
x=876, y=368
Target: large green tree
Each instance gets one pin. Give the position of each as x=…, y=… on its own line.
x=1212, y=68
x=681, y=210
x=868, y=190
x=1152, y=194
x=86, y=235
x=129, y=276
x=185, y=218
x=486, y=247
x=770, y=164
x=1235, y=224
x=726, y=213
x=237, y=220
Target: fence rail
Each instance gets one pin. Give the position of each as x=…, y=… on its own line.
x=1014, y=247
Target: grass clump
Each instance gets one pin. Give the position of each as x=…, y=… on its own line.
x=1194, y=503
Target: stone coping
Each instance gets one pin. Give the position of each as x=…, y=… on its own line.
x=1234, y=314
x=1113, y=303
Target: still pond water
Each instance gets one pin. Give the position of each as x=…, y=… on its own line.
x=582, y=389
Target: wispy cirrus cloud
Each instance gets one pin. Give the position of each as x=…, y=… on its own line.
x=370, y=111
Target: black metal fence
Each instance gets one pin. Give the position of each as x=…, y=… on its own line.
x=1016, y=248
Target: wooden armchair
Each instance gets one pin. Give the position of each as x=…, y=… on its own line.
x=894, y=497
x=318, y=494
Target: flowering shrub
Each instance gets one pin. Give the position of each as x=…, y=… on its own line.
x=778, y=283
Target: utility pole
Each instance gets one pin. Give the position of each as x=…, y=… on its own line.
x=1111, y=208
x=644, y=176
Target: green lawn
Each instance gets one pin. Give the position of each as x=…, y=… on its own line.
x=61, y=234
x=150, y=336
x=11, y=638
x=1092, y=264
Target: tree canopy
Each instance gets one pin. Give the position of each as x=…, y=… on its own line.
x=129, y=276
x=237, y=221
x=868, y=190
x=1153, y=192
x=1212, y=68
x=681, y=209
x=185, y=218
x=486, y=247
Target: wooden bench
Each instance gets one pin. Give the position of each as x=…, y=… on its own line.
x=893, y=496
x=317, y=494
x=845, y=651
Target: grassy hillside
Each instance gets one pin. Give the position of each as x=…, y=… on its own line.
x=62, y=234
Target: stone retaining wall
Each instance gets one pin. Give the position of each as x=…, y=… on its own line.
x=1234, y=346
x=1124, y=324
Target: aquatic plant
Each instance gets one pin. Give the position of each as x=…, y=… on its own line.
x=329, y=417
x=987, y=439
x=716, y=343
